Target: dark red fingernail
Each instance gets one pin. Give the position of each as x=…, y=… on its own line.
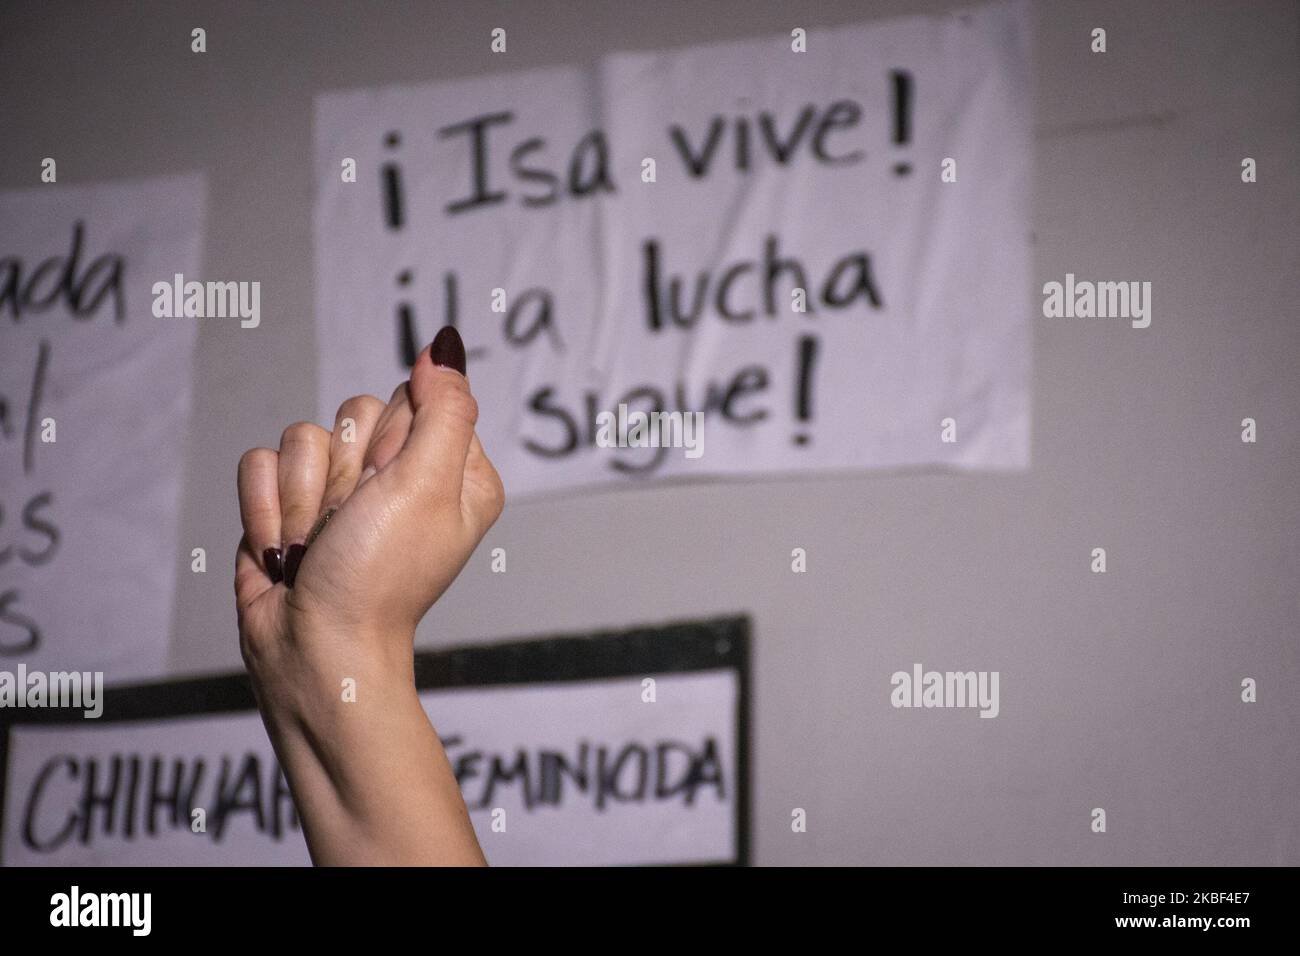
x=273, y=561
x=292, y=559
x=448, y=350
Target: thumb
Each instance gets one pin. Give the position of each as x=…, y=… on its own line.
x=445, y=414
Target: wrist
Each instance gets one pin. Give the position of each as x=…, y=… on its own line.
x=338, y=707
x=319, y=681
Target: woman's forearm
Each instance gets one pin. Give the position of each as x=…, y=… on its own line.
x=369, y=775
x=350, y=536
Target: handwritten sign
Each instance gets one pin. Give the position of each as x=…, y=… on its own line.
x=624, y=748
x=824, y=251
x=94, y=399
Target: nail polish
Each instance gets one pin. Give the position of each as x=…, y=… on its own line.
x=448, y=349
x=273, y=561
x=291, y=561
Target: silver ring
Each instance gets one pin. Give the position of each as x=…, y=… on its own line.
x=321, y=522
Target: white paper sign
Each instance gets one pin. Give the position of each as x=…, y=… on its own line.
x=824, y=251
x=557, y=774
x=94, y=403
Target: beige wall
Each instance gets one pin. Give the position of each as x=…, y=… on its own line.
x=1119, y=691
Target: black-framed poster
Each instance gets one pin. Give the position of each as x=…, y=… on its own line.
x=611, y=748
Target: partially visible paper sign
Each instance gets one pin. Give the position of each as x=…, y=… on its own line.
x=94, y=407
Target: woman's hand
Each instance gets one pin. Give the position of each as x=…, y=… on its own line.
x=397, y=497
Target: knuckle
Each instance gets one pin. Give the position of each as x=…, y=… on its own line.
x=302, y=433
x=494, y=509
x=489, y=498
x=497, y=500
x=358, y=408
x=460, y=405
x=496, y=490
